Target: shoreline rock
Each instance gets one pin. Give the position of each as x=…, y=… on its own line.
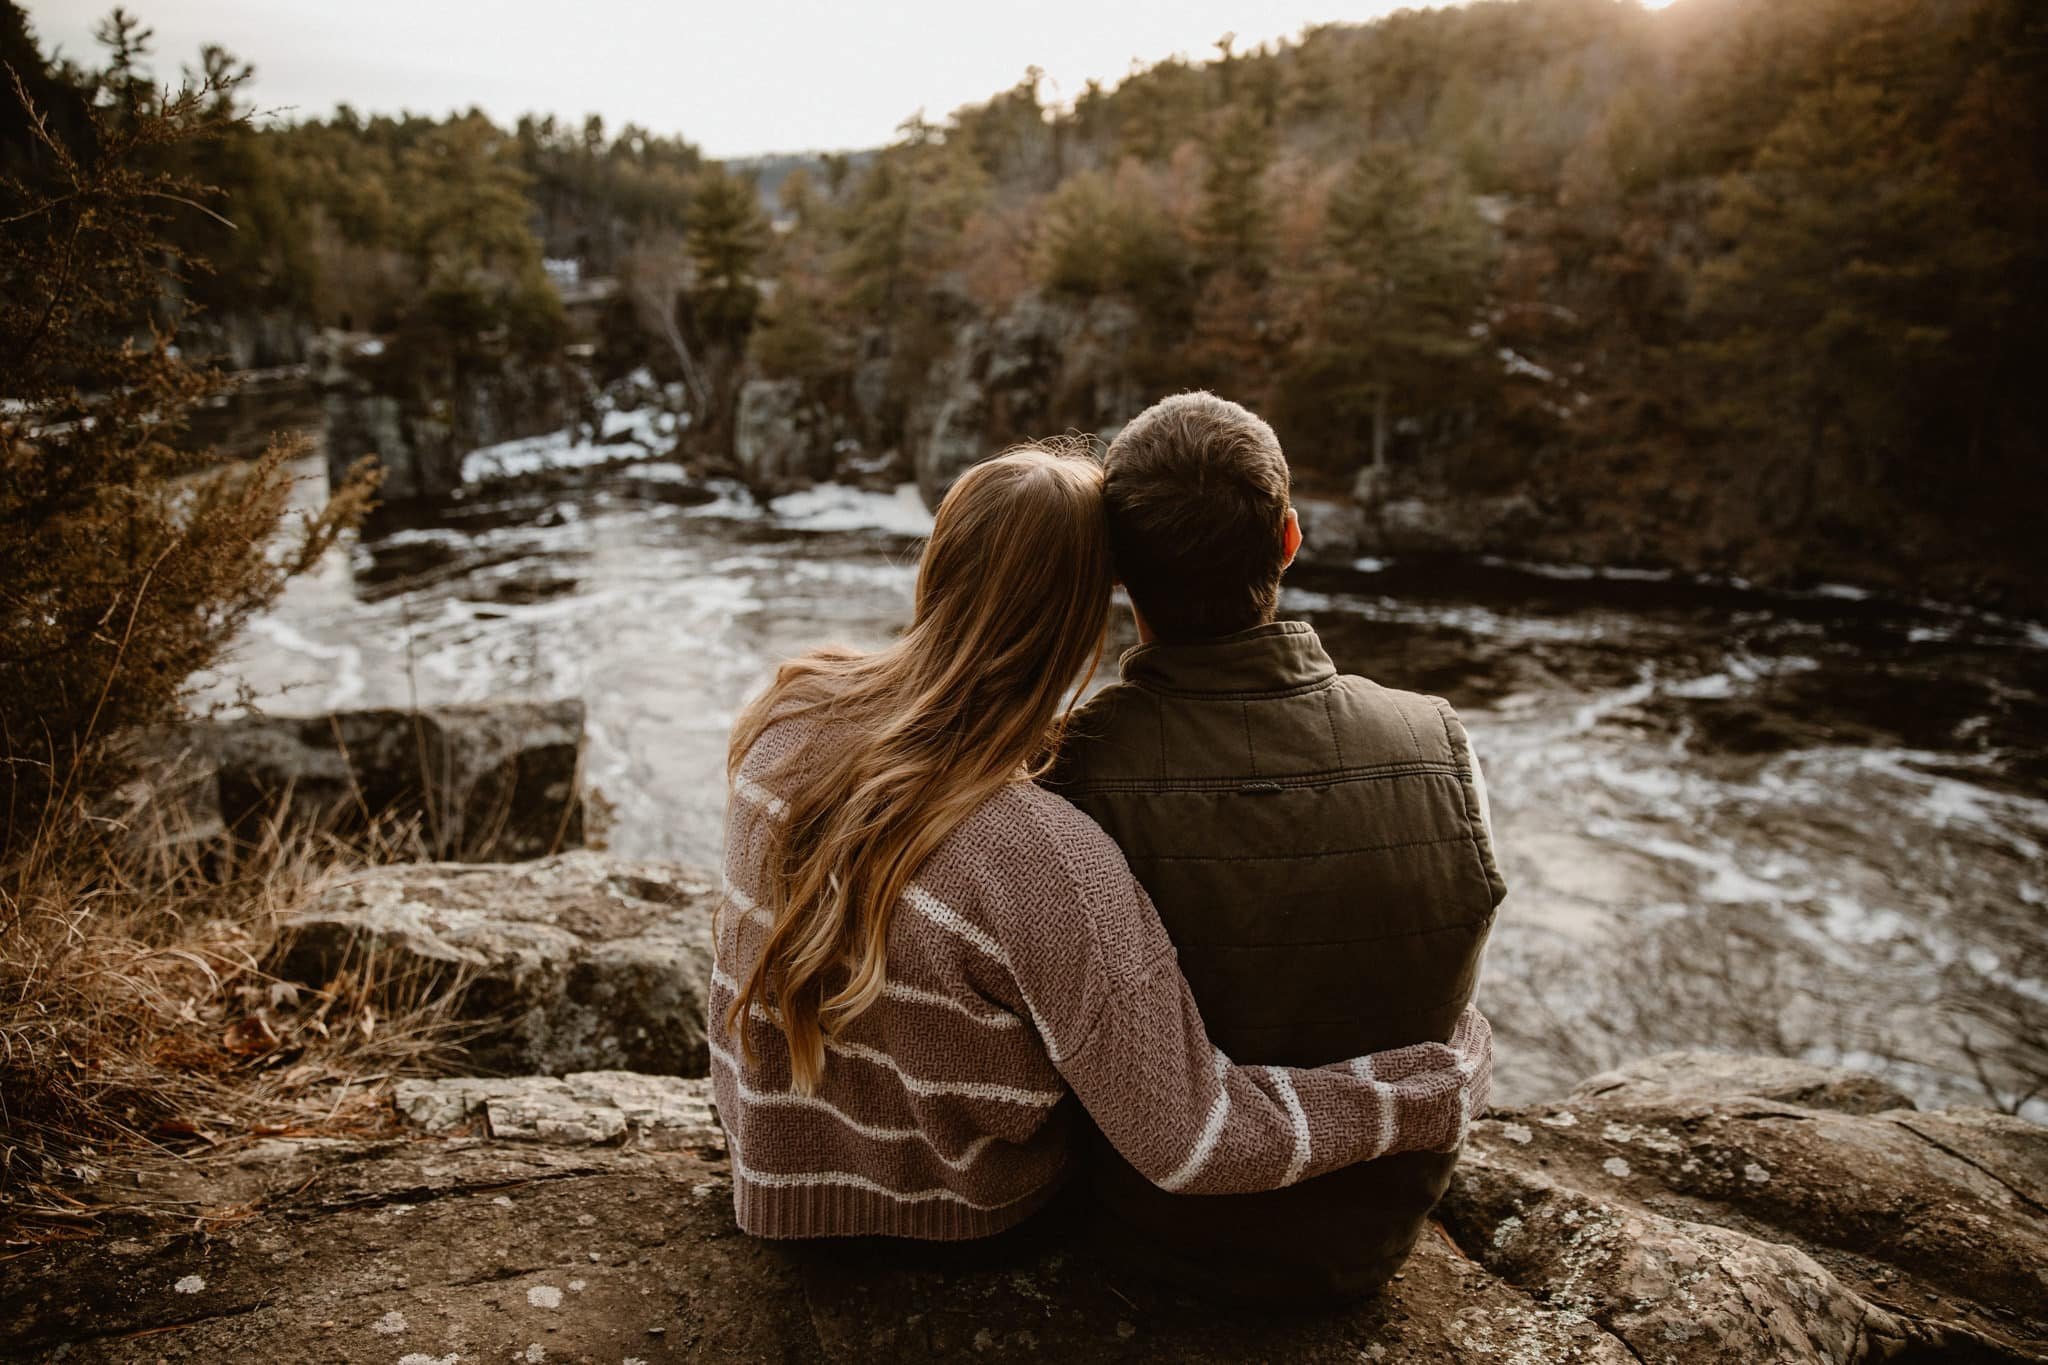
x=579, y=962
x=488, y=782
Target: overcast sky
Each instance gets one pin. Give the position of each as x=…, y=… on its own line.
x=736, y=78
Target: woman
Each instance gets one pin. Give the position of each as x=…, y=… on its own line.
x=922, y=955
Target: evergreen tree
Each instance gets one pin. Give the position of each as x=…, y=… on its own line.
x=726, y=235
x=132, y=555
x=1832, y=297
x=1396, y=303
x=463, y=228
x=902, y=224
x=1076, y=237
x=1236, y=223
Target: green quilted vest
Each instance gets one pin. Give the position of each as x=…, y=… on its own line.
x=1313, y=843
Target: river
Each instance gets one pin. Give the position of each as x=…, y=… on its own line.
x=1807, y=824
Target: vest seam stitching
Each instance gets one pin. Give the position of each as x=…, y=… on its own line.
x=1415, y=739
x=1317, y=856
x=1328, y=777
x=1242, y=695
x=1338, y=942
x=1159, y=721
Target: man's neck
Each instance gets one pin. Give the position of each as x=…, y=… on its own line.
x=1145, y=635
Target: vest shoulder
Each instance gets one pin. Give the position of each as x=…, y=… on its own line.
x=1423, y=725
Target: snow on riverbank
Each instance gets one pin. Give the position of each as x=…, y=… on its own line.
x=634, y=434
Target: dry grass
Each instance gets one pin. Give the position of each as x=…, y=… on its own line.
x=136, y=1014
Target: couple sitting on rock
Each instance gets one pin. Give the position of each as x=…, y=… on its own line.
x=1213, y=934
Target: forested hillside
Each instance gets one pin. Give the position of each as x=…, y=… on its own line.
x=1754, y=286
x=1742, y=283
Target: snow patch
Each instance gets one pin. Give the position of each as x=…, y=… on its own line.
x=544, y=1296
x=1513, y=363
x=191, y=1284
x=834, y=507
x=622, y=434
x=390, y=1325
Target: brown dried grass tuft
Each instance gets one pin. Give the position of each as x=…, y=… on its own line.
x=137, y=1017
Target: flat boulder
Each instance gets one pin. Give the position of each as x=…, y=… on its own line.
x=1674, y=1076
x=587, y=1107
x=487, y=782
x=579, y=962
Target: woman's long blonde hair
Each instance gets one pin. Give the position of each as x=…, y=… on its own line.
x=1012, y=603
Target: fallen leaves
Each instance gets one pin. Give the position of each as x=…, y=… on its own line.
x=250, y=1037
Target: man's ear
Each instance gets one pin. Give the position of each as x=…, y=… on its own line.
x=1290, y=538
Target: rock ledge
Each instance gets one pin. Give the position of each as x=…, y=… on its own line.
x=1676, y=1213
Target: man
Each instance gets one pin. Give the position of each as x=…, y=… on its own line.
x=1317, y=845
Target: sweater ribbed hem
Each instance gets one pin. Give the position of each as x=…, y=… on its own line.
x=845, y=1211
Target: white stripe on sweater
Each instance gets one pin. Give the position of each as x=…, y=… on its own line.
x=1383, y=1098
x=973, y=1090
x=909, y=995
x=912, y=995
x=916, y=1085
x=1299, y=1117
x=953, y=922
x=791, y=1100
x=776, y=1180
x=745, y=904
x=1212, y=1132
x=753, y=793
x=949, y=919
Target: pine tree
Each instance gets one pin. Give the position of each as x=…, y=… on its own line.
x=1236, y=223
x=1076, y=244
x=726, y=235
x=132, y=555
x=902, y=223
x=1831, y=298
x=1396, y=303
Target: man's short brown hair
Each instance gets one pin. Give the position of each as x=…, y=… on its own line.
x=1196, y=489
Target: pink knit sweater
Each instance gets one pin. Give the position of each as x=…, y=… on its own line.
x=1027, y=970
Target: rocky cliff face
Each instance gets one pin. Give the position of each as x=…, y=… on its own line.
x=1684, y=1210
x=1040, y=368
x=420, y=421
x=783, y=437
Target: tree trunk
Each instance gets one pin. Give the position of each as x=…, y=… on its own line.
x=1379, y=428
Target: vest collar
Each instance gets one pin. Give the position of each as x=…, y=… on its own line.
x=1278, y=657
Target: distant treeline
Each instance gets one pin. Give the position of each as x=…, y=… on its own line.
x=1750, y=273
x=1775, y=266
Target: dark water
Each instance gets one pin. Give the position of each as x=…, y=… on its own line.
x=1809, y=825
